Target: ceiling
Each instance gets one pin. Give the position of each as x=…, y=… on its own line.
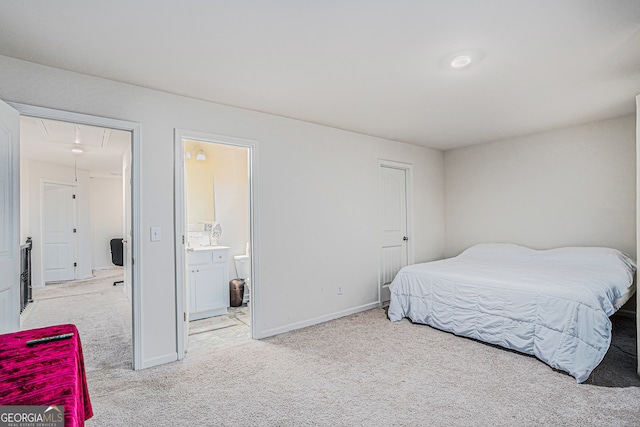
x=376, y=67
x=51, y=141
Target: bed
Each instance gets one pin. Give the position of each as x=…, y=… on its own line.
x=554, y=304
x=49, y=374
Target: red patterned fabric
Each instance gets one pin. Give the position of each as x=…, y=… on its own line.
x=45, y=374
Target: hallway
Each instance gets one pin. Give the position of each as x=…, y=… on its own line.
x=99, y=310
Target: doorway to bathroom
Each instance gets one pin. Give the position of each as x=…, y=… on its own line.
x=215, y=237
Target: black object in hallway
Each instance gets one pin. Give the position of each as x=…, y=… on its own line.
x=116, y=255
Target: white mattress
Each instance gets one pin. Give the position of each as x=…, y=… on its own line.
x=553, y=304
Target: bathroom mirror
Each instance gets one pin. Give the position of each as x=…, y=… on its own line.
x=200, y=187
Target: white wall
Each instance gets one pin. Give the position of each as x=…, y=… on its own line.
x=318, y=198
x=568, y=187
x=24, y=201
x=199, y=183
x=106, y=218
x=36, y=173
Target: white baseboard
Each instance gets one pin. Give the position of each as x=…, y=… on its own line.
x=315, y=320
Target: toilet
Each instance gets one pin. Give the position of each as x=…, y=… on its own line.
x=243, y=271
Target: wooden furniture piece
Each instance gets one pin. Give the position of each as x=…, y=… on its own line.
x=50, y=373
x=208, y=278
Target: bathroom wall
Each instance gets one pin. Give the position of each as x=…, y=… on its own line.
x=226, y=167
x=231, y=177
x=199, y=183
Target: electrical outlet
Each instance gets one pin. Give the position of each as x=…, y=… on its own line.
x=339, y=289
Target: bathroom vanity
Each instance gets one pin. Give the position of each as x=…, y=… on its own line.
x=208, y=279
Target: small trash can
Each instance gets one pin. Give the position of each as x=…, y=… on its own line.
x=236, y=291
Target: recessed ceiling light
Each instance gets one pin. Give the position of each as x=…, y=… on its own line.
x=77, y=150
x=460, y=61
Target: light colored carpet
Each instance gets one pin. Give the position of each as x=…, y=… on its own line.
x=100, y=311
x=78, y=287
x=361, y=370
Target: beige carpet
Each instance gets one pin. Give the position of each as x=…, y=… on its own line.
x=361, y=370
x=100, y=311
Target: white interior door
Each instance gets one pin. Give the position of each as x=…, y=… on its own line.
x=58, y=232
x=9, y=219
x=183, y=278
x=393, y=183
x=126, y=242
x=187, y=278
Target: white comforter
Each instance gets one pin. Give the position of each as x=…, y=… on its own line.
x=553, y=304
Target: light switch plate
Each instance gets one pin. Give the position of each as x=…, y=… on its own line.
x=155, y=234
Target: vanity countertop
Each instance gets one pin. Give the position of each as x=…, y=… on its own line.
x=207, y=248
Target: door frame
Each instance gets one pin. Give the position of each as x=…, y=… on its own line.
x=10, y=252
x=134, y=128
x=180, y=233
x=74, y=185
x=408, y=168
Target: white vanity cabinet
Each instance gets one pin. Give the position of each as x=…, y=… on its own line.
x=208, y=278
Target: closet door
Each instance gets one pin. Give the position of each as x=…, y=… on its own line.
x=58, y=232
x=393, y=186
